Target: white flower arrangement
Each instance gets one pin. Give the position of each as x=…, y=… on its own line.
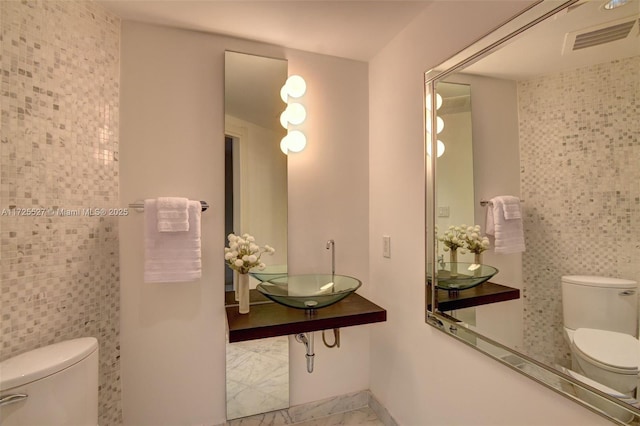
x=474, y=242
x=244, y=254
x=464, y=237
x=454, y=238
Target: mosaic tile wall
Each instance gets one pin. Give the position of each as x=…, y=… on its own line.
x=58, y=158
x=580, y=182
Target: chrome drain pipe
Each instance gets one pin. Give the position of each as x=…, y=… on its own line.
x=307, y=339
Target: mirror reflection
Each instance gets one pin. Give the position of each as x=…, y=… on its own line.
x=555, y=125
x=256, y=204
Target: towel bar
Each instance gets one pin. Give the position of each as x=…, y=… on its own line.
x=485, y=203
x=140, y=205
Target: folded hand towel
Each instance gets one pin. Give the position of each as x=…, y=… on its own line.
x=511, y=207
x=172, y=256
x=508, y=233
x=172, y=214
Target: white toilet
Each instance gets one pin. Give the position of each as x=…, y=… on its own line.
x=53, y=385
x=601, y=326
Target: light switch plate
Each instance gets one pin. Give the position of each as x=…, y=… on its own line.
x=443, y=211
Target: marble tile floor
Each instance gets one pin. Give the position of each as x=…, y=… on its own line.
x=257, y=376
x=360, y=417
x=354, y=409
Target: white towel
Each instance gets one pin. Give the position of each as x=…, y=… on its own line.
x=504, y=222
x=173, y=215
x=172, y=256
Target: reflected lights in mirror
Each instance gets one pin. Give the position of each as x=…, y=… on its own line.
x=294, y=115
x=439, y=126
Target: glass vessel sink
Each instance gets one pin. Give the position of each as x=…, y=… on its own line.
x=310, y=291
x=461, y=276
x=269, y=272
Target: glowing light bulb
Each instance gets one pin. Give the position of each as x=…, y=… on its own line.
x=296, y=86
x=296, y=113
x=296, y=141
x=439, y=148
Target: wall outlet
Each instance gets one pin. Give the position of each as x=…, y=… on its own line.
x=386, y=246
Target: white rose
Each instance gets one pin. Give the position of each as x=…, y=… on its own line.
x=238, y=262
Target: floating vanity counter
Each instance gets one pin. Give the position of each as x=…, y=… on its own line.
x=270, y=319
x=482, y=294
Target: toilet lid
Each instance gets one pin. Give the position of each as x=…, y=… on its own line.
x=609, y=347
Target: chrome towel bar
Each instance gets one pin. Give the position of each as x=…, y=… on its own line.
x=140, y=205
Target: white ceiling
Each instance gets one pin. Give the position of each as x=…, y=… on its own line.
x=356, y=29
x=541, y=50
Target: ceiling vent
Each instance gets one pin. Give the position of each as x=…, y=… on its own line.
x=601, y=34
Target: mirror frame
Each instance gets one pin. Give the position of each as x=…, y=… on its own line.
x=537, y=371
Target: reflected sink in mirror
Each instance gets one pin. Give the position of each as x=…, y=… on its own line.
x=311, y=291
x=461, y=276
x=269, y=272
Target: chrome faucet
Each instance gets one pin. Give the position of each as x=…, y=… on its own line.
x=332, y=245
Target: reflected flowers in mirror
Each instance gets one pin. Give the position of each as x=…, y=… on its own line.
x=243, y=254
x=475, y=243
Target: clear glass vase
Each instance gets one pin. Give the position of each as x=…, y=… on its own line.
x=243, y=293
x=477, y=260
x=453, y=258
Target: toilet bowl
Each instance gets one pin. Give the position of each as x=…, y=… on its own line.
x=608, y=357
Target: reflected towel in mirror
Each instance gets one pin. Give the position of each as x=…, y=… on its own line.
x=504, y=223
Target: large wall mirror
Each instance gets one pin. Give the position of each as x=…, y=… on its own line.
x=553, y=122
x=256, y=203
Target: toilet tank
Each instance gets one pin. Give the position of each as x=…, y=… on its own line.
x=60, y=382
x=601, y=303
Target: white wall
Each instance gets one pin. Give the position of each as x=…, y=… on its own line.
x=171, y=143
x=418, y=373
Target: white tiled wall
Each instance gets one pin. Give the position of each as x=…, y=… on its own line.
x=579, y=157
x=59, y=157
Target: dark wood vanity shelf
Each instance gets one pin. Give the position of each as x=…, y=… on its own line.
x=482, y=294
x=270, y=319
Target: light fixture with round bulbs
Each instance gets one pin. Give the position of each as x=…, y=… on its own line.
x=294, y=115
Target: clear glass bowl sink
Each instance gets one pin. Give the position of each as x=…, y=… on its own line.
x=461, y=276
x=269, y=272
x=310, y=291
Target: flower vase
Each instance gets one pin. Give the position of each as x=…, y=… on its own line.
x=235, y=285
x=243, y=293
x=453, y=258
x=477, y=260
